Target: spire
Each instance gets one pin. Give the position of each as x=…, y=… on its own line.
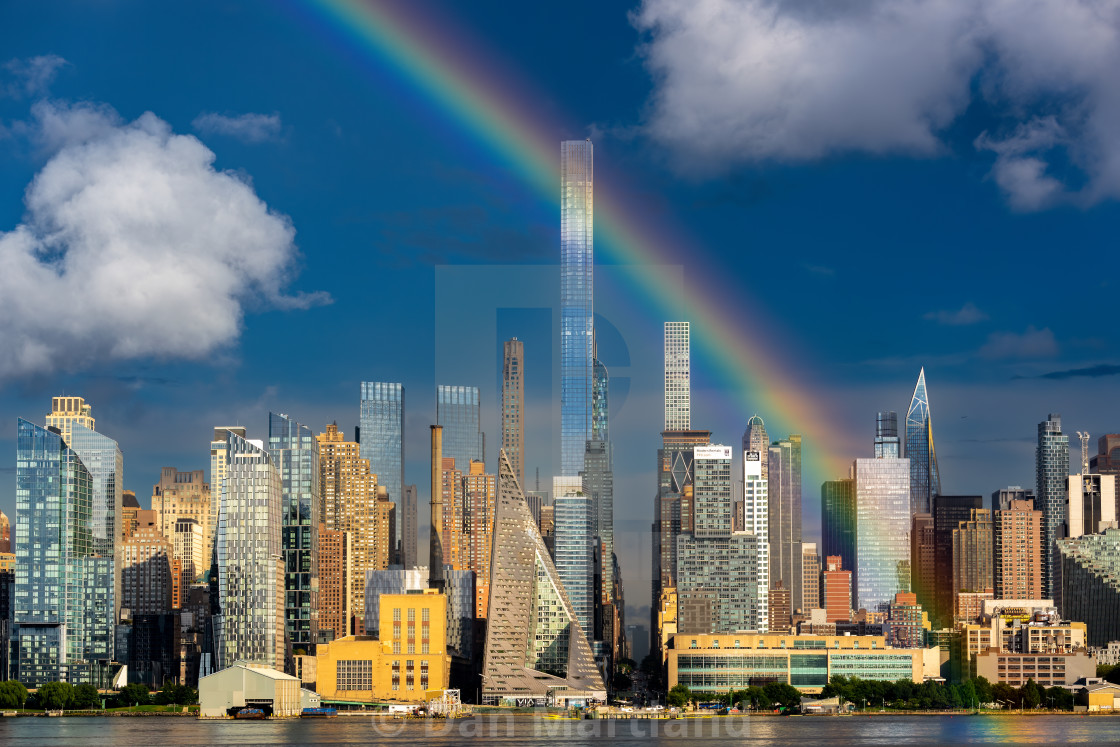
x=925, y=479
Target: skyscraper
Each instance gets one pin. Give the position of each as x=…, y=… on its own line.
x=756, y=521
x=838, y=522
x=65, y=411
x=295, y=454
x=1051, y=473
x=598, y=485
x=811, y=577
x=1018, y=551
x=577, y=315
x=600, y=409
x=183, y=495
x=54, y=493
x=784, y=500
x=973, y=554
x=250, y=559
x=146, y=556
x=381, y=440
x=1090, y=583
x=1002, y=498
x=459, y=411
x=925, y=480
x=574, y=554
x=948, y=513
x=334, y=580
x=677, y=377
x=837, y=590
x=755, y=439
x=923, y=561
x=533, y=642
x=513, y=405
x=882, y=520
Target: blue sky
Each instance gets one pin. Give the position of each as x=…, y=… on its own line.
x=900, y=190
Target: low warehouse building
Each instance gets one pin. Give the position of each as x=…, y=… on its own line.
x=248, y=685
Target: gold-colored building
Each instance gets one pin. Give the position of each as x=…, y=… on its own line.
x=183, y=495
x=353, y=502
x=129, y=509
x=7, y=562
x=65, y=411
x=408, y=658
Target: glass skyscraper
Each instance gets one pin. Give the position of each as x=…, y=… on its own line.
x=54, y=547
x=1051, y=475
x=882, y=520
x=784, y=502
x=838, y=523
x=575, y=556
x=678, y=406
x=598, y=485
x=925, y=480
x=459, y=411
x=600, y=405
x=381, y=440
x=295, y=453
x=577, y=326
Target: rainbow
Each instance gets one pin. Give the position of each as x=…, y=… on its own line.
x=457, y=83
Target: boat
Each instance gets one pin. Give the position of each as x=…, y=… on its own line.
x=249, y=713
x=319, y=713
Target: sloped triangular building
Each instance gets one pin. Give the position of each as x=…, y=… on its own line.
x=535, y=648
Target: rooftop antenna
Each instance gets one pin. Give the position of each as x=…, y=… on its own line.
x=1084, y=451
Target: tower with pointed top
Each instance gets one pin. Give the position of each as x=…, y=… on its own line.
x=925, y=480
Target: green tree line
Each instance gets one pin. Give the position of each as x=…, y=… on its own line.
x=54, y=696
x=930, y=695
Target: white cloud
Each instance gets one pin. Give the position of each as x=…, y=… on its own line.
x=1033, y=343
x=967, y=314
x=31, y=76
x=134, y=246
x=740, y=81
x=249, y=128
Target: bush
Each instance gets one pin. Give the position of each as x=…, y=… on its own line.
x=55, y=695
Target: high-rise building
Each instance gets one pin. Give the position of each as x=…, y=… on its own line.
x=102, y=457
x=923, y=560
x=678, y=406
x=1090, y=583
x=410, y=523
x=355, y=503
x=65, y=411
x=574, y=555
x=600, y=400
x=459, y=411
x=838, y=522
x=905, y=625
x=54, y=492
x=837, y=591
x=598, y=486
x=712, y=491
x=882, y=520
x=1091, y=506
x=781, y=610
x=250, y=558
x=756, y=521
x=1107, y=462
x=130, y=507
x=334, y=583
x=219, y=464
x=925, y=480
x=784, y=502
x=1017, y=538
x=381, y=439
x=183, y=495
x=534, y=642
x=295, y=454
x=190, y=548
x=577, y=315
x=1051, y=473
x=1001, y=499
x=513, y=405
x=480, y=491
x=810, y=577
x=146, y=583
x=948, y=513
x=5, y=534
x=973, y=554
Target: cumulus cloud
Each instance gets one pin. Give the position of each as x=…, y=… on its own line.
x=739, y=81
x=1033, y=343
x=967, y=314
x=248, y=128
x=134, y=246
x=31, y=76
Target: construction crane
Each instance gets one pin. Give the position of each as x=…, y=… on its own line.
x=1084, y=451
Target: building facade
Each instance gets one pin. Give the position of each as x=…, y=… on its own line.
x=1051, y=473
x=1090, y=583
x=784, y=502
x=974, y=554
x=756, y=521
x=836, y=586
x=925, y=479
x=1017, y=547
x=678, y=377
x=182, y=495
x=574, y=556
x=513, y=405
x=146, y=569
x=811, y=577
x=381, y=440
x=334, y=583
x=838, y=522
x=459, y=411
x=882, y=521
x=577, y=312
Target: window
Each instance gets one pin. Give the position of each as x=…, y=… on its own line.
x=396, y=615
x=354, y=674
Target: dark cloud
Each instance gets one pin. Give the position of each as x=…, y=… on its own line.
x=1092, y=372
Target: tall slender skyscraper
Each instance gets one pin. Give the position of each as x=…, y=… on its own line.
x=381, y=441
x=459, y=411
x=678, y=406
x=838, y=522
x=882, y=520
x=577, y=314
x=1051, y=474
x=755, y=439
x=925, y=480
x=756, y=521
x=574, y=553
x=513, y=406
x=295, y=453
x=784, y=501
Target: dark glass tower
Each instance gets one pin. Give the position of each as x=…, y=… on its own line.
x=381, y=439
x=459, y=412
x=1051, y=474
x=925, y=480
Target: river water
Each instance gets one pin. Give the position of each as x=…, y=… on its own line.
x=814, y=731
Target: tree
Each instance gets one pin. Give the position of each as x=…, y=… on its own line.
x=626, y=666
x=1061, y=698
x=783, y=694
x=12, y=694
x=55, y=695
x=1031, y=694
x=1113, y=676
x=132, y=695
x=85, y=696
x=983, y=689
x=968, y=695
x=679, y=696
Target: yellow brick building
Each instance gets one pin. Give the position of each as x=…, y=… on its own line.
x=406, y=659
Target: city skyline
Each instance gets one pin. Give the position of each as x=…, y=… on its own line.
x=1034, y=361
